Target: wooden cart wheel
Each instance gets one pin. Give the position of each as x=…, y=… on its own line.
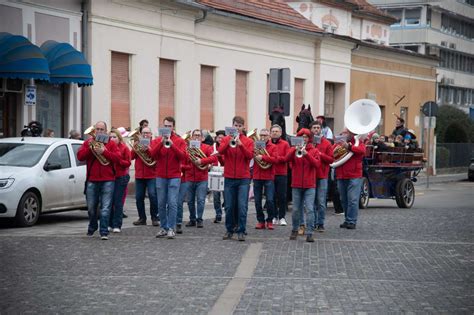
x=364, y=194
x=405, y=193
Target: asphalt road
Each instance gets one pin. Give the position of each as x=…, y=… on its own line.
x=397, y=260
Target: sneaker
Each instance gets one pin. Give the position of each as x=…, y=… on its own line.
x=283, y=222
x=179, y=229
x=275, y=221
x=90, y=234
x=309, y=238
x=217, y=219
x=339, y=213
x=200, y=224
x=190, y=223
x=155, y=223
x=301, y=229
x=161, y=233
x=344, y=225
x=110, y=229
x=320, y=228
x=139, y=222
x=270, y=225
x=293, y=235
x=350, y=226
x=124, y=215
x=241, y=237
x=260, y=226
x=116, y=230
x=104, y=237
x=227, y=236
x=171, y=234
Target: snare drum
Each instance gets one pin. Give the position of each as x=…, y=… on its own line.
x=216, y=179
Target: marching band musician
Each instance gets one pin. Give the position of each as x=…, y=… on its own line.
x=121, y=180
x=303, y=183
x=100, y=179
x=236, y=178
x=326, y=158
x=197, y=179
x=264, y=178
x=216, y=195
x=145, y=180
x=349, y=180
x=281, y=175
x=182, y=196
x=169, y=153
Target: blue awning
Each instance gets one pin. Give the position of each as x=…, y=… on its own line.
x=20, y=59
x=67, y=65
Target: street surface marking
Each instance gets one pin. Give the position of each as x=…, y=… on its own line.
x=229, y=299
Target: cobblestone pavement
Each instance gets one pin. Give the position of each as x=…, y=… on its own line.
x=417, y=260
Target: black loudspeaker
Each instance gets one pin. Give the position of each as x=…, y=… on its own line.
x=276, y=99
x=280, y=80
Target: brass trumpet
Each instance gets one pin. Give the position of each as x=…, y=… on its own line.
x=93, y=145
x=299, y=151
x=140, y=150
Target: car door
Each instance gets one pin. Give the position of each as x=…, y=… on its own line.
x=79, y=169
x=59, y=182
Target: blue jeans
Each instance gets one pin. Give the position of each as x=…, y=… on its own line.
x=216, y=198
x=182, y=197
x=140, y=186
x=349, y=192
x=197, y=191
x=320, y=202
x=258, y=186
x=280, y=196
x=303, y=197
x=236, y=195
x=116, y=214
x=168, y=189
x=99, y=193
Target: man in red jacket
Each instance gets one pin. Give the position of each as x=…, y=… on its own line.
x=168, y=170
x=303, y=184
x=236, y=178
x=145, y=180
x=196, y=181
x=326, y=158
x=100, y=179
x=349, y=180
x=281, y=175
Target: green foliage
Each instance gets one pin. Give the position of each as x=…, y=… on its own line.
x=453, y=126
x=442, y=157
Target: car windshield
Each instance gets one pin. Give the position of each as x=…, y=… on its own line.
x=21, y=154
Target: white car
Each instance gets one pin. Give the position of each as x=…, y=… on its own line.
x=40, y=175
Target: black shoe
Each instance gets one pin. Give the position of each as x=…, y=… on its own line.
x=343, y=225
x=124, y=216
x=199, y=224
x=217, y=219
x=320, y=228
x=139, y=222
x=293, y=235
x=90, y=233
x=179, y=230
x=309, y=238
x=350, y=226
x=155, y=223
x=190, y=223
x=227, y=236
x=241, y=237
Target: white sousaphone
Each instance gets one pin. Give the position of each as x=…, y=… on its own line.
x=360, y=118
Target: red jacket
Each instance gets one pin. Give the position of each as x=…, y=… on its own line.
x=353, y=167
x=326, y=156
x=269, y=173
x=281, y=166
x=220, y=158
x=304, y=169
x=97, y=172
x=121, y=168
x=143, y=171
x=237, y=159
x=169, y=160
x=197, y=175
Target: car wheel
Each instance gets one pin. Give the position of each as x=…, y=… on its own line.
x=405, y=193
x=364, y=194
x=28, y=210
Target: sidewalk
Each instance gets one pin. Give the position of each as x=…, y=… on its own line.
x=442, y=178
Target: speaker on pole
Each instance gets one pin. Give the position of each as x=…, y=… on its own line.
x=280, y=87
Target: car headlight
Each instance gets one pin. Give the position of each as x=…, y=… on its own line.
x=6, y=182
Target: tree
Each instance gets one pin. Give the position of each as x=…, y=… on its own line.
x=453, y=126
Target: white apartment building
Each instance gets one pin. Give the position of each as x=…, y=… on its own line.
x=444, y=29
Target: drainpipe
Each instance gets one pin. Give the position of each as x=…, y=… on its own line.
x=85, y=106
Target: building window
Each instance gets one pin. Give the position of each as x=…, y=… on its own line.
x=404, y=114
x=412, y=16
x=241, y=93
x=166, y=89
x=329, y=90
x=381, y=127
x=50, y=108
x=207, y=97
x=414, y=48
x=120, y=107
x=396, y=13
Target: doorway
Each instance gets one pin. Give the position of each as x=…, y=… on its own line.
x=8, y=114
